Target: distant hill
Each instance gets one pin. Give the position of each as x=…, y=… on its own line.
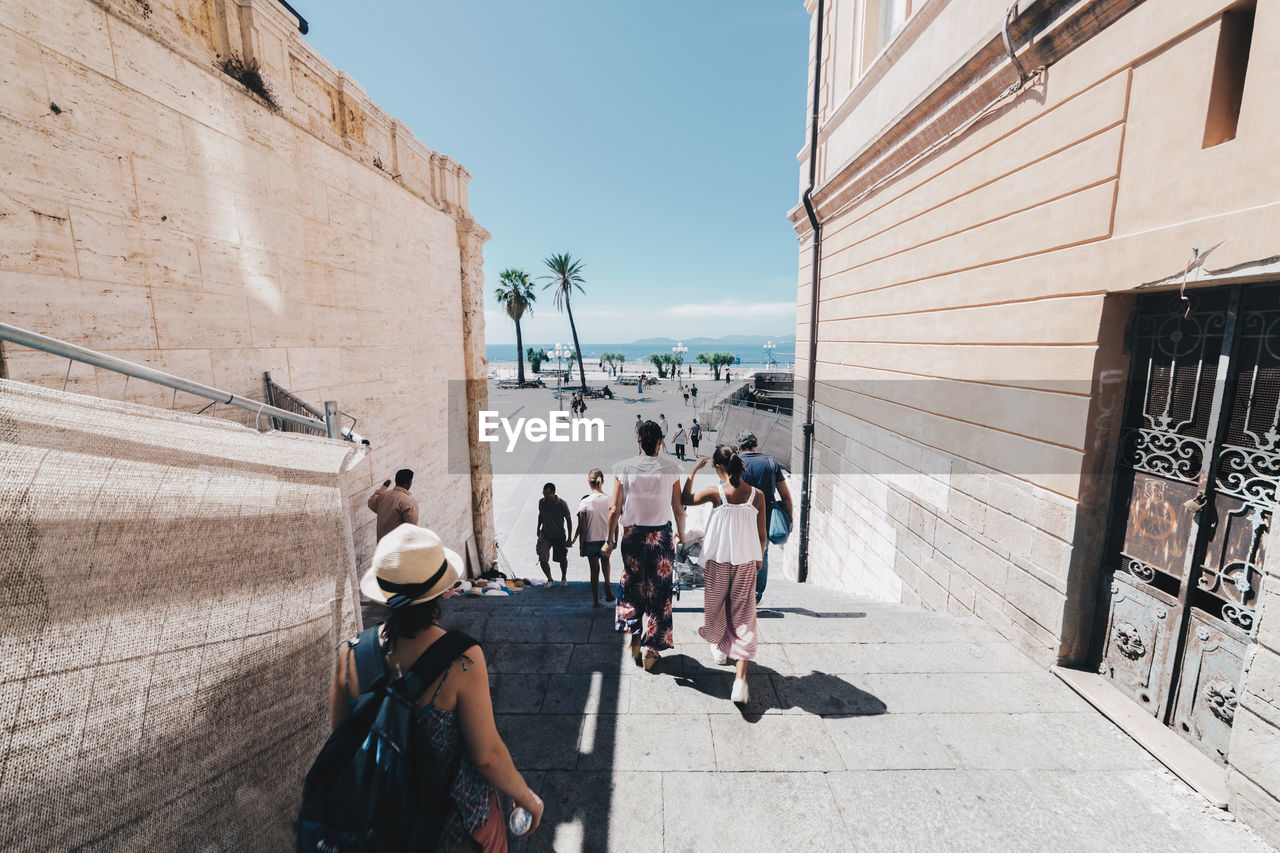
x=727, y=340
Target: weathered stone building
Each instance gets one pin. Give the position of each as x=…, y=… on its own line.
x=1048, y=342
x=159, y=204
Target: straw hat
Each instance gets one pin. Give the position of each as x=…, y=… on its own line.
x=410, y=566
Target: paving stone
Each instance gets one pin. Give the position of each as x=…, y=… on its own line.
x=709, y=813
x=706, y=691
x=541, y=741
x=584, y=806
x=970, y=693
x=604, y=631
x=1061, y=741
x=665, y=742
x=927, y=810
x=528, y=657
x=572, y=693
x=833, y=658
x=887, y=742
x=537, y=629
x=1103, y=809
x=517, y=693
x=920, y=626
x=804, y=628
x=600, y=657
x=825, y=694
x=777, y=743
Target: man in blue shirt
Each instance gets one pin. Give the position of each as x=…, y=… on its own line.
x=767, y=475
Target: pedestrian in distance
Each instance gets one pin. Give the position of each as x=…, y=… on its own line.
x=645, y=502
x=686, y=398
x=695, y=435
x=592, y=532
x=732, y=549
x=767, y=475
x=664, y=426
x=555, y=526
x=395, y=507
x=452, y=740
x=679, y=441
x=693, y=392
x=639, y=423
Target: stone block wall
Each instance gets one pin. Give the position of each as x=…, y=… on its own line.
x=156, y=209
x=978, y=267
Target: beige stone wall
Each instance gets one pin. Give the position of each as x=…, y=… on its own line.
x=974, y=296
x=162, y=213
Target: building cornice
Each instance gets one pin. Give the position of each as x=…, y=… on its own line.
x=1054, y=28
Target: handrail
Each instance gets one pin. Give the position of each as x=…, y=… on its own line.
x=54, y=346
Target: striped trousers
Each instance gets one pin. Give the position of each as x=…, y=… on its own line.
x=729, y=610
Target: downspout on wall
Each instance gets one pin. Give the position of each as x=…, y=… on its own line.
x=802, y=572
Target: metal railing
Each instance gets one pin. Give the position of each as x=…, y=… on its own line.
x=282, y=398
x=328, y=423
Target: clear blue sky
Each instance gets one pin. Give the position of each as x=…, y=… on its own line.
x=655, y=140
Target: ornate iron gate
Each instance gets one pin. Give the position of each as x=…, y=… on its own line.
x=1195, y=491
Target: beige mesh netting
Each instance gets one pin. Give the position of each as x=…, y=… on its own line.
x=171, y=589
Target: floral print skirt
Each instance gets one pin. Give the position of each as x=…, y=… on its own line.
x=644, y=594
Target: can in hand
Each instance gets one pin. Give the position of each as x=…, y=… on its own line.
x=521, y=821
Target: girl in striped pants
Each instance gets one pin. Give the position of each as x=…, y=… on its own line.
x=732, y=548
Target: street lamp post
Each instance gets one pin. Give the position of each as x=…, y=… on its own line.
x=768, y=353
x=679, y=349
x=559, y=352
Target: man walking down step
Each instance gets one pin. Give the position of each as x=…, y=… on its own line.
x=555, y=527
x=395, y=507
x=765, y=474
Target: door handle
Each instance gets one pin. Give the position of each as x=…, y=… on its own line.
x=1197, y=503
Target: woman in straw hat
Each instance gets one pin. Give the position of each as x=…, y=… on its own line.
x=411, y=570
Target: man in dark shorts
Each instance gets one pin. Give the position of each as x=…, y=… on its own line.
x=765, y=474
x=695, y=435
x=555, y=526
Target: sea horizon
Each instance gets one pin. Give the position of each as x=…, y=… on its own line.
x=783, y=355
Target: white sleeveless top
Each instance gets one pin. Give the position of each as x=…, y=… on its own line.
x=733, y=532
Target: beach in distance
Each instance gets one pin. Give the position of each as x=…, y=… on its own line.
x=502, y=357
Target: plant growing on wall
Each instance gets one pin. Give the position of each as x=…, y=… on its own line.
x=716, y=360
x=515, y=294
x=536, y=357
x=566, y=275
x=249, y=75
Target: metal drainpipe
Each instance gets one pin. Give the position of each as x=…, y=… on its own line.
x=806, y=474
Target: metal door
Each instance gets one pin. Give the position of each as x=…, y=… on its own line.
x=1195, y=487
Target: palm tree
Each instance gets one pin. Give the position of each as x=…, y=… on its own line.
x=566, y=274
x=515, y=294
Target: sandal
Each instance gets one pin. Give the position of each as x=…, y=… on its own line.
x=634, y=649
x=650, y=659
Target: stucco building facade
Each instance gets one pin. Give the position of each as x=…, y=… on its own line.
x=159, y=205
x=1046, y=374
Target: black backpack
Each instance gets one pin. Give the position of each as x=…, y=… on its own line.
x=372, y=786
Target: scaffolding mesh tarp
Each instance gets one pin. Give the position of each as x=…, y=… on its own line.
x=171, y=589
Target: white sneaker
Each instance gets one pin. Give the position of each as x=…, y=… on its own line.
x=740, y=694
x=718, y=656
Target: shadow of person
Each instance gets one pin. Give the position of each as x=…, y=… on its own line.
x=818, y=693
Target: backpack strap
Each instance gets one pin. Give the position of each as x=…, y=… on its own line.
x=434, y=661
x=370, y=667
